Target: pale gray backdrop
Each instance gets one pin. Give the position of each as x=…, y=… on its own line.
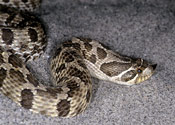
x=141, y=29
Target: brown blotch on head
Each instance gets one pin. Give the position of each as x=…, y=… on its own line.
x=3, y=74
x=15, y=61
x=63, y=108
x=33, y=34
x=114, y=68
x=17, y=75
x=101, y=53
x=26, y=98
x=7, y=36
x=6, y=1
x=87, y=46
x=92, y=59
x=32, y=80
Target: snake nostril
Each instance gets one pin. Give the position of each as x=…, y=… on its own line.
x=154, y=66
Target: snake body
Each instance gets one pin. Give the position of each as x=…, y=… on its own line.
x=22, y=38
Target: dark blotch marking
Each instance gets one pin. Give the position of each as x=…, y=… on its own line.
x=88, y=46
x=33, y=35
x=7, y=36
x=92, y=59
x=114, y=68
x=101, y=53
x=27, y=98
x=15, y=61
x=3, y=74
x=17, y=75
x=73, y=86
x=88, y=96
x=63, y=108
x=70, y=55
x=32, y=80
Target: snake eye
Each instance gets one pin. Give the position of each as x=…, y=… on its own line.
x=139, y=70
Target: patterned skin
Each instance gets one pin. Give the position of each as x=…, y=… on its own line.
x=22, y=38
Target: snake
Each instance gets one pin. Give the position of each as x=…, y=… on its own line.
x=72, y=65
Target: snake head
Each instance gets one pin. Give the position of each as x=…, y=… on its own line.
x=140, y=71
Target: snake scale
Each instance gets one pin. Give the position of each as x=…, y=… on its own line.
x=23, y=39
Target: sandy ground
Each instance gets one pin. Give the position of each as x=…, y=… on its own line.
x=141, y=29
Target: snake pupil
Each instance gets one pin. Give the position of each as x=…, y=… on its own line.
x=139, y=70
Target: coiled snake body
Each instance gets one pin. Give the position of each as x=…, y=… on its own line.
x=22, y=38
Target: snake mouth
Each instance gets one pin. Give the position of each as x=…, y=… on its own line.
x=142, y=78
x=147, y=73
